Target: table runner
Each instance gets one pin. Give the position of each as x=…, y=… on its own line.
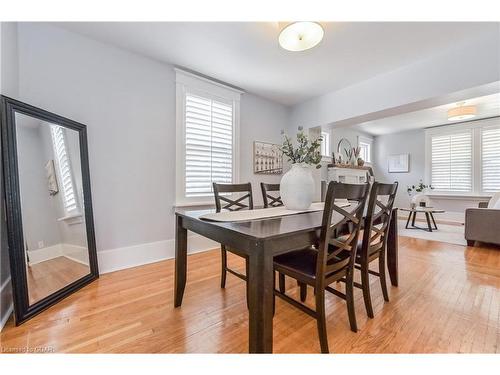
x=264, y=213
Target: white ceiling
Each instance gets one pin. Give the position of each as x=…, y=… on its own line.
x=247, y=55
x=487, y=106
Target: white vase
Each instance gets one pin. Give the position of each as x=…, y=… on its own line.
x=297, y=187
x=418, y=198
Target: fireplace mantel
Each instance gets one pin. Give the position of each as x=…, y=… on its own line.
x=348, y=175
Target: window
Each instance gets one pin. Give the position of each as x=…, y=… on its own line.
x=464, y=159
x=66, y=183
x=490, y=159
x=325, y=144
x=209, y=144
x=451, y=162
x=365, y=148
x=206, y=137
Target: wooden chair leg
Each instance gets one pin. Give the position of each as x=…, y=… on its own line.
x=365, y=282
x=224, y=267
x=303, y=291
x=281, y=282
x=321, y=320
x=350, y=304
x=381, y=271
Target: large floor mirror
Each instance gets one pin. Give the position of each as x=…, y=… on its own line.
x=49, y=208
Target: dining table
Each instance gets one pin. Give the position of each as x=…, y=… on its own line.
x=259, y=241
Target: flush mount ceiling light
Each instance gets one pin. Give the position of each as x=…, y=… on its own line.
x=462, y=112
x=299, y=36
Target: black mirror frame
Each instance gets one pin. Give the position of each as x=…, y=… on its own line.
x=22, y=309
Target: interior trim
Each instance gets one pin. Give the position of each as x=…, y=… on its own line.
x=10, y=309
x=137, y=255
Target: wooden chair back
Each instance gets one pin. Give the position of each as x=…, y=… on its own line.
x=378, y=217
x=337, y=255
x=223, y=202
x=269, y=199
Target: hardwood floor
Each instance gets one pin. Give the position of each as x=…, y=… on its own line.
x=448, y=301
x=46, y=277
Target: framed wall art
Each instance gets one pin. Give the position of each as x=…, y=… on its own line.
x=267, y=158
x=399, y=163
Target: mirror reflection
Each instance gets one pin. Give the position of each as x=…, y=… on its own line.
x=53, y=221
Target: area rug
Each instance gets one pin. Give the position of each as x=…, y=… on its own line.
x=446, y=233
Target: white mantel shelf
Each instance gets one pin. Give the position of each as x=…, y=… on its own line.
x=347, y=175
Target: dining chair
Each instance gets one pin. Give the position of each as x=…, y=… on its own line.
x=374, y=244
x=223, y=201
x=275, y=201
x=332, y=260
x=269, y=199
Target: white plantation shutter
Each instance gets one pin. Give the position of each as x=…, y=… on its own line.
x=490, y=159
x=209, y=144
x=66, y=185
x=451, y=162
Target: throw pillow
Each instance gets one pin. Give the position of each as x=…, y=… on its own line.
x=497, y=205
x=495, y=199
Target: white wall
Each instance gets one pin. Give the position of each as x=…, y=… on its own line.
x=39, y=209
x=413, y=142
x=346, y=132
x=261, y=120
x=465, y=65
x=9, y=87
x=410, y=142
x=128, y=103
x=8, y=58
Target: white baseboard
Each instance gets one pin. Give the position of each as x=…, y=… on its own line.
x=74, y=252
x=5, y=316
x=79, y=254
x=44, y=254
x=123, y=257
x=138, y=255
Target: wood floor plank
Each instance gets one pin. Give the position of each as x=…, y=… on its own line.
x=448, y=301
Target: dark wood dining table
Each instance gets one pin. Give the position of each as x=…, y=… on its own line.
x=260, y=240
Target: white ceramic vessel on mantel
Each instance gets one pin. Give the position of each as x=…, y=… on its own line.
x=297, y=187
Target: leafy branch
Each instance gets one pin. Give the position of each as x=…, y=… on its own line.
x=420, y=187
x=306, y=152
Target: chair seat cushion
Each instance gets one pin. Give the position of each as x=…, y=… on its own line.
x=300, y=261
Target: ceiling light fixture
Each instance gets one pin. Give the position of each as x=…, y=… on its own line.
x=462, y=112
x=300, y=36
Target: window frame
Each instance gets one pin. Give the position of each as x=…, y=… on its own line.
x=326, y=142
x=187, y=82
x=480, y=137
x=475, y=127
x=369, y=142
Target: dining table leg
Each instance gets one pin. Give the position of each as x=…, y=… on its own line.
x=261, y=295
x=392, y=248
x=180, y=261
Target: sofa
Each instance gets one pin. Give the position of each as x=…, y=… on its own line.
x=483, y=223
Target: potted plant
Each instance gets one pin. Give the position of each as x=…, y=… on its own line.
x=297, y=185
x=417, y=194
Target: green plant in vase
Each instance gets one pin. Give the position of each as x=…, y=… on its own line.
x=417, y=194
x=306, y=152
